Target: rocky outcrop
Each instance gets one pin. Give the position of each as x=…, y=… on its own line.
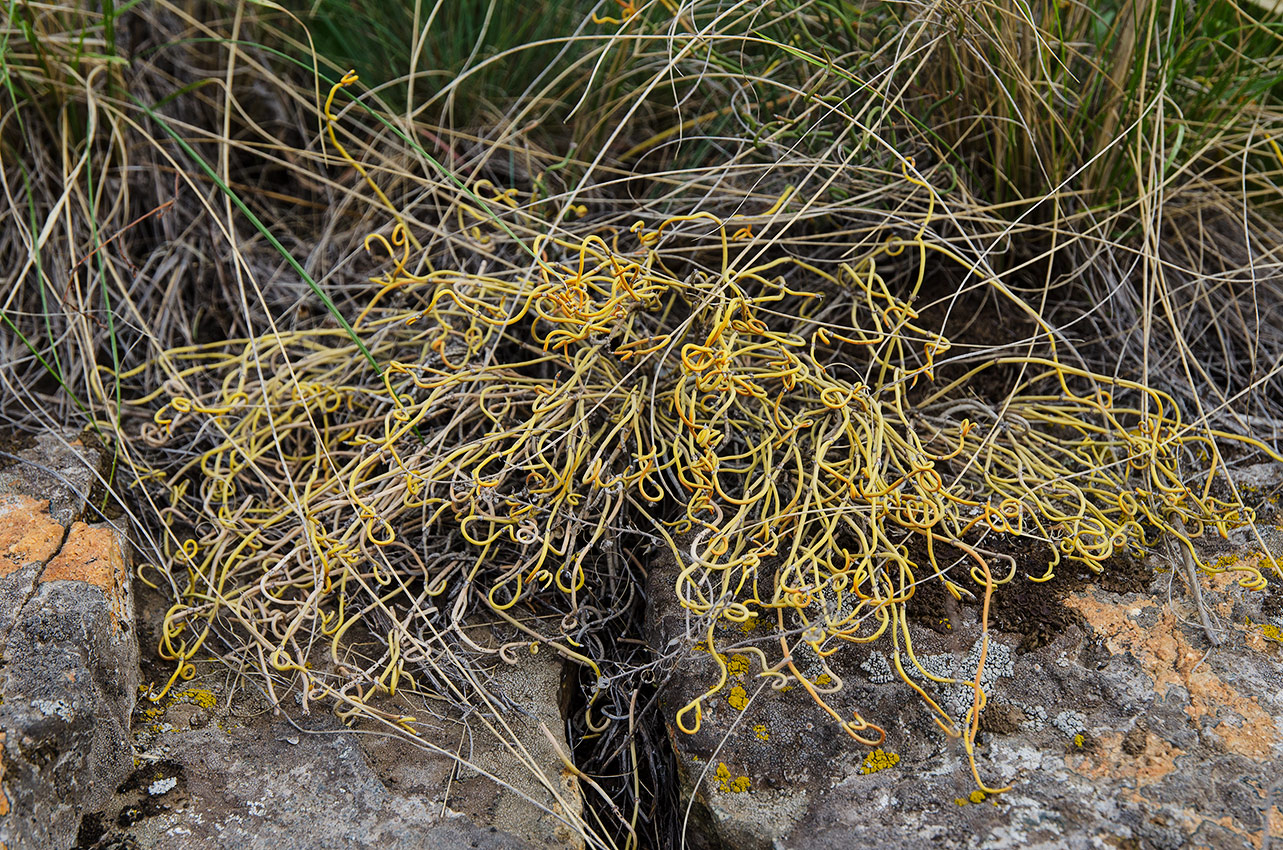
x=211, y=765
x=70, y=655
x=1111, y=717
x=220, y=766
x=264, y=782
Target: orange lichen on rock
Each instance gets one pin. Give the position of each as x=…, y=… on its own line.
x=1193, y=819
x=95, y=556
x=1109, y=760
x=1274, y=822
x=1170, y=659
x=4, y=797
x=27, y=533
x=87, y=556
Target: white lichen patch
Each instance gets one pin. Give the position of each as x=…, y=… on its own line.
x=878, y=668
x=162, y=786
x=1071, y=723
x=54, y=706
x=1036, y=715
x=956, y=699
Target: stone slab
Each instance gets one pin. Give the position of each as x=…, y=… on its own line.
x=68, y=647
x=58, y=467
x=1121, y=727
x=219, y=767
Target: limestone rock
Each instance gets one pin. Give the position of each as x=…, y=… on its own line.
x=70, y=654
x=524, y=745
x=219, y=767
x=1121, y=726
x=58, y=467
x=273, y=784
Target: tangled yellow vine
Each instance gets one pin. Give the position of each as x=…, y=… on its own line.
x=776, y=425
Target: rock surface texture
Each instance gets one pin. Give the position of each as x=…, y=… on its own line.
x=1110, y=714
x=217, y=768
x=69, y=669
x=209, y=765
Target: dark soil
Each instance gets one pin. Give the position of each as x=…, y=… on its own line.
x=102, y=496
x=1033, y=610
x=12, y=442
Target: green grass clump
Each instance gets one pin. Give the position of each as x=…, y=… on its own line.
x=463, y=57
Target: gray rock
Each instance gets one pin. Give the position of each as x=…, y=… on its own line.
x=219, y=767
x=1127, y=729
x=524, y=745
x=276, y=785
x=70, y=652
x=58, y=467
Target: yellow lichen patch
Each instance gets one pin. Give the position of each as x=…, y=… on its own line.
x=1167, y=656
x=729, y=784
x=976, y=796
x=1259, y=636
x=196, y=696
x=1247, y=570
x=879, y=759
x=27, y=534
x=1224, y=562
x=738, y=665
x=1080, y=740
x=760, y=731
x=155, y=713
x=738, y=698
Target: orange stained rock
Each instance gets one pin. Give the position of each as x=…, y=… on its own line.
x=1108, y=760
x=1250, y=836
x=27, y=533
x=1170, y=659
x=4, y=798
x=95, y=556
x=1255, y=636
